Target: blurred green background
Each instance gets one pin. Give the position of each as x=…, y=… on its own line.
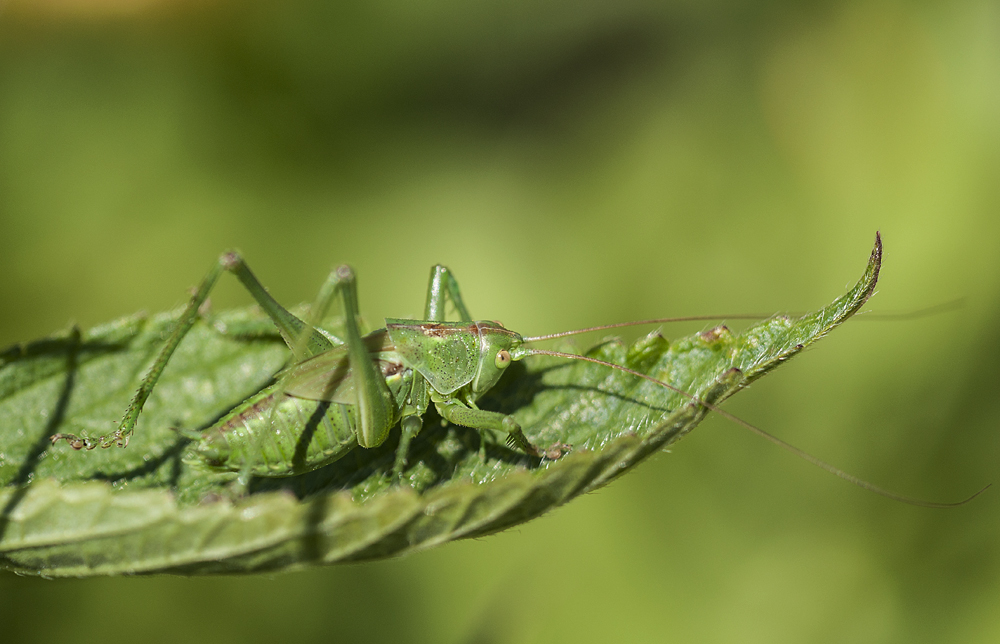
x=575, y=163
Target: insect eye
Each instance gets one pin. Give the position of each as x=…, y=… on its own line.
x=503, y=359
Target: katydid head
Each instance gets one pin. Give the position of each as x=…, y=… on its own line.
x=498, y=347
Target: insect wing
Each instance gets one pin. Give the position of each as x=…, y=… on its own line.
x=328, y=376
x=445, y=353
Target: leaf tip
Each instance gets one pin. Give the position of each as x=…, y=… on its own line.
x=876, y=258
x=866, y=287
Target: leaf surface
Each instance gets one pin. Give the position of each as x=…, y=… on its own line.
x=155, y=508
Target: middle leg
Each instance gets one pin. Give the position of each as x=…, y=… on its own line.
x=441, y=287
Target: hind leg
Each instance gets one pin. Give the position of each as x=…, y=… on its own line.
x=289, y=326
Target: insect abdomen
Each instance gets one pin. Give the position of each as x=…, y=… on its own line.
x=298, y=436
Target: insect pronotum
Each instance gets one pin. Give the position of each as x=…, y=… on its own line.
x=361, y=387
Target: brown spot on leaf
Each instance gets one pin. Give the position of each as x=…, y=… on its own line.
x=715, y=334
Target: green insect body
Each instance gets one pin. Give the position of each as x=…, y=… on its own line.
x=315, y=422
x=336, y=397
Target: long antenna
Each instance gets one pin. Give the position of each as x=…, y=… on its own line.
x=760, y=432
x=618, y=325
x=867, y=316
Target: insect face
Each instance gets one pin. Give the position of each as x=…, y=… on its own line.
x=496, y=344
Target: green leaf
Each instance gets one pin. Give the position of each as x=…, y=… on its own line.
x=153, y=507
